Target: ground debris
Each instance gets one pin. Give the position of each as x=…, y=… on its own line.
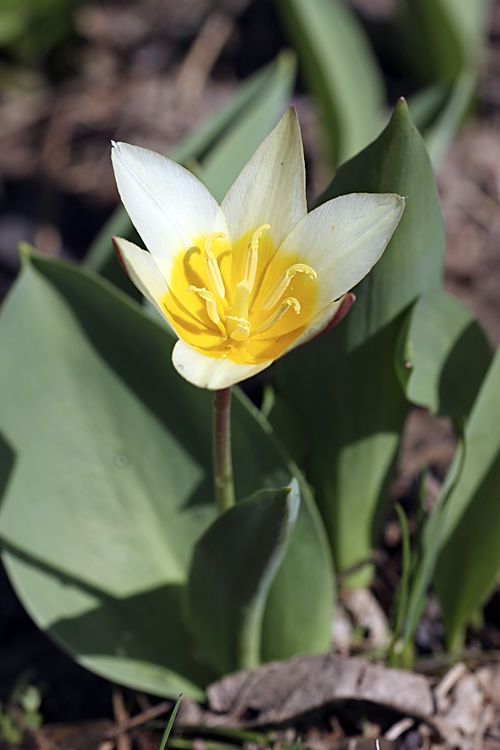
x=280, y=691
x=86, y=735
x=460, y=712
x=367, y=613
x=314, y=699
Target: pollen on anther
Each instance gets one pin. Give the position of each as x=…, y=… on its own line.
x=252, y=256
x=278, y=314
x=213, y=270
x=283, y=283
x=209, y=298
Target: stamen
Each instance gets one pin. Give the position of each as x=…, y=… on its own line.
x=252, y=256
x=282, y=285
x=213, y=270
x=212, y=311
x=276, y=316
x=237, y=328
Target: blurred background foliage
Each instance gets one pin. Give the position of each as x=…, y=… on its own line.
x=205, y=82
x=30, y=30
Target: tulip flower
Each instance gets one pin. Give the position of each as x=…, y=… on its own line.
x=243, y=283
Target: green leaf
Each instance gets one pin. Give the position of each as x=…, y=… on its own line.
x=352, y=414
x=285, y=423
x=305, y=582
x=443, y=356
x=426, y=104
x=112, y=481
x=397, y=162
x=12, y=25
x=440, y=134
x=234, y=565
x=450, y=32
x=439, y=110
x=343, y=387
x=340, y=69
x=470, y=552
x=223, y=144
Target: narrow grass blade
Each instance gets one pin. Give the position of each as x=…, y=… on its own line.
x=170, y=724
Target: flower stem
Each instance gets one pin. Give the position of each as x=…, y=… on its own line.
x=223, y=464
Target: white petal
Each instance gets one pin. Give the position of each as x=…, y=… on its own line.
x=271, y=188
x=343, y=239
x=143, y=272
x=169, y=207
x=206, y=372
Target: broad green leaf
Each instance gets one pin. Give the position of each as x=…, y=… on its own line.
x=450, y=32
x=285, y=423
x=469, y=561
x=111, y=485
x=305, y=582
x=426, y=104
x=440, y=134
x=340, y=69
x=222, y=145
x=439, y=110
x=234, y=565
x=413, y=261
x=343, y=387
x=443, y=357
x=351, y=409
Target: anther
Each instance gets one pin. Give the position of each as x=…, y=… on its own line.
x=212, y=311
x=213, y=270
x=276, y=316
x=252, y=256
x=282, y=285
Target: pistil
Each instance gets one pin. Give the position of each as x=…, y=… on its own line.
x=238, y=325
x=238, y=328
x=233, y=320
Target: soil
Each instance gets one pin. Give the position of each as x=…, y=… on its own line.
x=147, y=74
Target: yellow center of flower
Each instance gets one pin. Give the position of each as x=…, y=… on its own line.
x=243, y=302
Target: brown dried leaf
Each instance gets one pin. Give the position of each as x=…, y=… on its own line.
x=369, y=615
x=281, y=691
